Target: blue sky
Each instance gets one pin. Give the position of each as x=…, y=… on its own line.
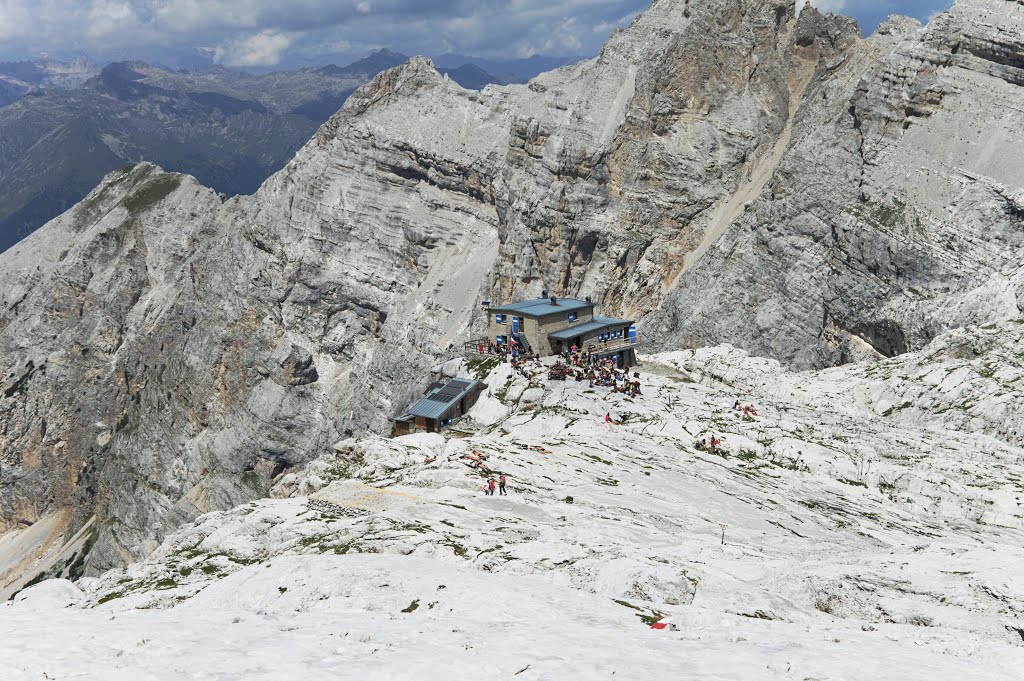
x=270, y=32
x=871, y=12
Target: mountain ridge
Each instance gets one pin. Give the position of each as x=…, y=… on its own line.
x=229, y=129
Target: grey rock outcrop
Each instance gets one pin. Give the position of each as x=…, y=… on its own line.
x=723, y=170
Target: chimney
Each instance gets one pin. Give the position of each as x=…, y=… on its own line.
x=554, y=301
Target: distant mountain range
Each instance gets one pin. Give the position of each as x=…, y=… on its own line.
x=63, y=126
x=20, y=78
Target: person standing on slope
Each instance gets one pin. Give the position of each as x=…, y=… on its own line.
x=490, y=486
x=501, y=486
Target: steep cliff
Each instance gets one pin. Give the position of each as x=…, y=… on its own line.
x=895, y=212
x=723, y=170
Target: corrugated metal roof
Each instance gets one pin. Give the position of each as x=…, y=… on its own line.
x=599, y=324
x=542, y=306
x=440, y=400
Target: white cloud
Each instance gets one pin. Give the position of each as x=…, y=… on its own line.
x=262, y=49
x=824, y=5
x=606, y=27
x=111, y=18
x=14, y=16
x=262, y=31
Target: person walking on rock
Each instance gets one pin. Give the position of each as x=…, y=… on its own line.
x=501, y=486
x=490, y=487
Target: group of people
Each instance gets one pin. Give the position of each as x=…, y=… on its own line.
x=747, y=410
x=489, y=486
x=603, y=371
x=708, y=444
x=477, y=460
x=523, y=364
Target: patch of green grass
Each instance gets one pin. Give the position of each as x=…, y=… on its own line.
x=650, y=619
x=151, y=193
x=482, y=367
x=412, y=606
x=110, y=596
x=458, y=549
x=747, y=455
x=758, y=615
x=897, y=407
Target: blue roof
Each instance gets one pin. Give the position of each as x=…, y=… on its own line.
x=542, y=306
x=599, y=324
x=439, y=400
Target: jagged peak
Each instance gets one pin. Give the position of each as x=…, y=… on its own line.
x=898, y=25
x=836, y=30
x=405, y=80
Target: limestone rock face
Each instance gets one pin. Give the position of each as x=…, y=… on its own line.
x=723, y=171
x=893, y=214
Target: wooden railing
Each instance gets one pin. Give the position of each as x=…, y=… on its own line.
x=613, y=345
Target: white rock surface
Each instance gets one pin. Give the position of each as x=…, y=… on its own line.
x=834, y=537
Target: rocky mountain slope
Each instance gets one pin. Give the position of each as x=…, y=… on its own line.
x=857, y=538
x=230, y=130
x=722, y=171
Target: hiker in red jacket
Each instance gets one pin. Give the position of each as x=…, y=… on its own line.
x=490, y=487
x=501, y=485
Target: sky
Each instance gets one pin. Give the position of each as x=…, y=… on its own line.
x=264, y=33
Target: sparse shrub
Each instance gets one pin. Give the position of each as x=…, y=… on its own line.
x=920, y=620
x=828, y=604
